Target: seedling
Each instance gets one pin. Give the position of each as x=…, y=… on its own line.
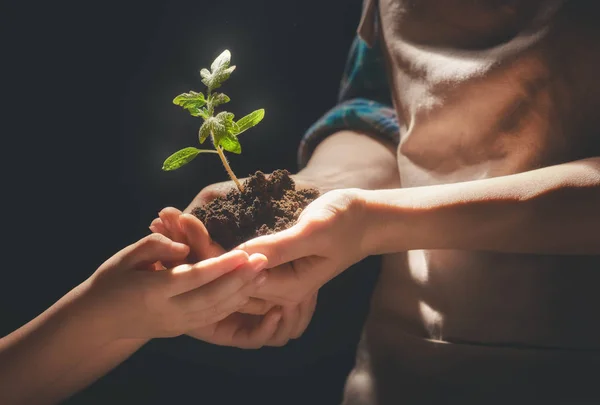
x=221, y=128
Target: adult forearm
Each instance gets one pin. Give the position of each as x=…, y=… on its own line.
x=349, y=159
x=551, y=210
x=37, y=362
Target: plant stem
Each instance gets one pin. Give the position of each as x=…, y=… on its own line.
x=228, y=168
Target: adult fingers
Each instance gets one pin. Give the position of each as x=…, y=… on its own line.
x=282, y=247
x=184, y=278
x=201, y=245
x=209, y=193
x=256, y=306
x=289, y=318
x=260, y=333
x=224, y=292
x=291, y=283
x=307, y=309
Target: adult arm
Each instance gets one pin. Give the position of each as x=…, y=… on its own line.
x=552, y=210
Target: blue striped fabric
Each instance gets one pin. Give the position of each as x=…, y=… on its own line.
x=364, y=102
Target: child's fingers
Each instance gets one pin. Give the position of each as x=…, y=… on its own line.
x=170, y=219
x=215, y=297
x=150, y=249
x=184, y=278
x=201, y=245
x=231, y=304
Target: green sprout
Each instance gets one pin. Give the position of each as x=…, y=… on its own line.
x=221, y=128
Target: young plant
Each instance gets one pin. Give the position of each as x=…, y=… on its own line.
x=221, y=128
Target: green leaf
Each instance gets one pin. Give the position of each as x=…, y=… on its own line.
x=205, y=130
x=220, y=71
x=226, y=119
x=230, y=143
x=222, y=61
x=218, y=130
x=183, y=157
x=218, y=126
x=191, y=101
x=218, y=99
x=249, y=121
x=204, y=113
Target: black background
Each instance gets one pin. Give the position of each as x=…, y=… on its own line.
x=87, y=120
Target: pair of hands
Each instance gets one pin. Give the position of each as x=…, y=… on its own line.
x=235, y=328
x=150, y=290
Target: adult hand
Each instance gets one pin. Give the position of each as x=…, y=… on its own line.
x=206, y=247
x=215, y=190
x=328, y=238
x=242, y=329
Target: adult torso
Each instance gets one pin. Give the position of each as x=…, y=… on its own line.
x=483, y=89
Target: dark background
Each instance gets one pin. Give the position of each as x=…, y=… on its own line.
x=87, y=120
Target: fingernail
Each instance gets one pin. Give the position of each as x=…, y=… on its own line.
x=260, y=279
x=258, y=261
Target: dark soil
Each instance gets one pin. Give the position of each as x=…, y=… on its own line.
x=267, y=205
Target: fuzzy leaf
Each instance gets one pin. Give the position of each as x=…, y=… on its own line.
x=218, y=126
x=221, y=61
x=183, y=157
x=218, y=130
x=249, y=121
x=220, y=71
x=230, y=143
x=206, y=129
x=203, y=113
x=218, y=99
x=226, y=119
x=191, y=101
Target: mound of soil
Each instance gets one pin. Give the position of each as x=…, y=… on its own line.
x=267, y=205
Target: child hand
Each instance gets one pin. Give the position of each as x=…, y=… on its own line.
x=137, y=299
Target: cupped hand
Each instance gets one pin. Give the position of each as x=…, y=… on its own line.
x=215, y=190
x=142, y=299
x=251, y=326
x=326, y=240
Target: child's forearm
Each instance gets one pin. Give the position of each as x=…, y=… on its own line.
x=39, y=361
x=90, y=369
